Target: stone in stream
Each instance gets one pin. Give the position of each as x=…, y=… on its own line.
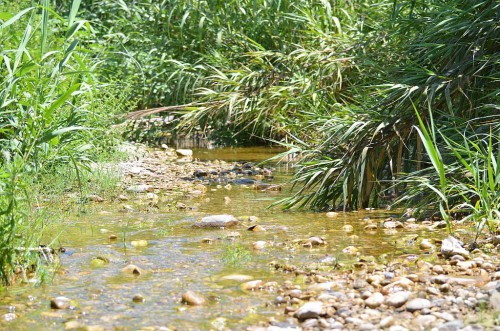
x=132, y=269
x=347, y=228
x=237, y=277
x=192, y=299
x=60, y=303
x=452, y=246
x=418, y=304
x=184, y=152
x=252, y=285
x=311, y=309
x=397, y=299
x=217, y=222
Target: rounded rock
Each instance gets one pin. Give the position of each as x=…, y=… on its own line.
x=192, y=299
x=418, y=304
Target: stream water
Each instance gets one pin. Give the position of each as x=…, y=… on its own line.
x=176, y=260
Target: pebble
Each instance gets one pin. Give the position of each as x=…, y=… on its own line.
x=347, y=228
x=252, y=285
x=192, y=299
x=398, y=299
x=311, y=309
x=60, y=303
x=332, y=214
x=375, y=300
x=216, y=221
x=418, y=304
x=132, y=269
x=451, y=326
x=184, y=152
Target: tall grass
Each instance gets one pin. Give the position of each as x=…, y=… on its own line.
x=45, y=107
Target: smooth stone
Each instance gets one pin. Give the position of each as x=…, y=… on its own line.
x=217, y=221
x=387, y=322
x=192, y=299
x=257, y=228
x=259, y=245
x=375, y=300
x=347, y=228
x=418, y=304
x=132, y=269
x=332, y=214
x=311, y=309
x=398, y=299
x=318, y=287
x=452, y=246
x=426, y=244
x=60, y=303
x=423, y=322
x=237, y=277
x=454, y=325
x=252, y=285
x=184, y=152
x=139, y=243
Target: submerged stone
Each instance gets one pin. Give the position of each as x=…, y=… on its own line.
x=216, y=221
x=60, y=303
x=193, y=299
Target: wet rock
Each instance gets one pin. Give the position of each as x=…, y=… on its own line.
x=252, y=285
x=398, y=299
x=60, y=303
x=370, y=227
x=139, y=243
x=216, y=221
x=418, y=304
x=257, y=228
x=350, y=250
x=426, y=244
x=138, y=298
x=332, y=214
x=184, y=152
x=311, y=309
x=112, y=237
x=132, y=270
x=314, y=241
x=393, y=225
x=347, y=228
x=99, y=261
x=192, y=299
x=237, y=277
x=452, y=246
x=375, y=300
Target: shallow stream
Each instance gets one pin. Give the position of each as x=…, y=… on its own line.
x=176, y=260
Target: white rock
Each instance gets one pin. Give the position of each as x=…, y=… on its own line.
x=311, y=309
